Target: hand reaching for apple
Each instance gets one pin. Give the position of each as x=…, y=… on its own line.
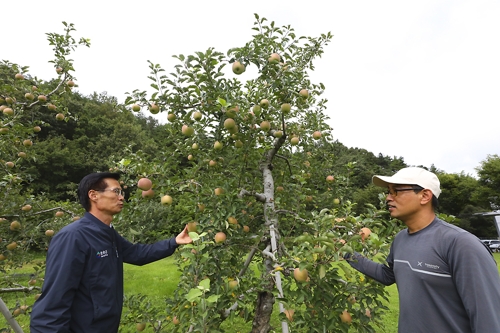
x=183, y=237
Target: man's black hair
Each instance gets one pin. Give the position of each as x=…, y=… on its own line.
x=93, y=181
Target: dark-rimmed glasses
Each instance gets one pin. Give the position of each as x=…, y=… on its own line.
x=394, y=191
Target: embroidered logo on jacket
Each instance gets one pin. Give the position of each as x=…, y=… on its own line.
x=102, y=254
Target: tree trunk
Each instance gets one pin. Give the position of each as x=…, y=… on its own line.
x=263, y=311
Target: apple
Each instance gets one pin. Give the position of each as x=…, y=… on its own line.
x=232, y=220
x=144, y=184
x=171, y=117
x=148, y=194
x=233, y=284
x=176, y=320
x=286, y=107
x=219, y=191
x=368, y=313
x=166, y=200
x=365, y=233
x=336, y=201
x=49, y=233
x=201, y=207
x=278, y=134
x=29, y=96
x=140, y=326
x=265, y=126
x=192, y=226
x=12, y=246
x=238, y=68
x=274, y=58
x=51, y=107
x=2, y=257
x=246, y=228
x=190, y=157
x=330, y=179
x=10, y=100
x=15, y=225
x=59, y=70
x=294, y=140
x=220, y=237
x=197, y=116
x=345, y=317
x=136, y=108
x=8, y=111
x=187, y=131
x=59, y=213
x=229, y=123
x=37, y=129
x=233, y=111
x=233, y=130
x=352, y=299
x=19, y=76
x=316, y=135
x=154, y=108
x=218, y=145
x=70, y=83
x=42, y=98
x=34, y=88
x=280, y=189
x=76, y=218
x=304, y=93
x=264, y=103
x=26, y=208
x=60, y=116
x=4, y=130
x=300, y=274
x=238, y=144
x=289, y=314
x=195, y=146
x=9, y=164
x=212, y=163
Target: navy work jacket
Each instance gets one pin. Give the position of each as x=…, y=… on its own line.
x=83, y=285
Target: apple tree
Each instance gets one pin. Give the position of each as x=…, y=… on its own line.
x=246, y=168
x=28, y=221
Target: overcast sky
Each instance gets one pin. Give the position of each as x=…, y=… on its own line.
x=412, y=79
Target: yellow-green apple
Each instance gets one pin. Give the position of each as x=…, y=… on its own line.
x=197, y=115
x=304, y=93
x=49, y=233
x=219, y=191
x=274, y=58
x=60, y=116
x=171, y=117
x=166, y=200
x=229, y=123
x=286, y=107
x=316, y=135
x=300, y=274
x=264, y=103
x=136, y=108
x=218, y=145
x=265, y=126
x=187, y=131
x=238, y=67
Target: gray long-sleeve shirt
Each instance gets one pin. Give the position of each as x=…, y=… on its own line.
x=447, y=280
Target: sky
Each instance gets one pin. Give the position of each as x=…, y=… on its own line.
x=412, y=79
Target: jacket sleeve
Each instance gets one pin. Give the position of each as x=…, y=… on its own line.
x=141, y=254
x=64, y=268
x=381, y=273
x=475, y=274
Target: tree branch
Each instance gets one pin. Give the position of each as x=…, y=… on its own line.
x=259, y=196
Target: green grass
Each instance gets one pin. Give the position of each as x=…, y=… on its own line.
x=159, y=280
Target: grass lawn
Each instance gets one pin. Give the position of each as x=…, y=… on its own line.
x=159, y=280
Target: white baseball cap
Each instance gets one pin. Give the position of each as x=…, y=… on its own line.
x=411, y=176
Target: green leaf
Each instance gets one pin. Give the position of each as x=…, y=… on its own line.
x=193, y=295
x=205, y=285
x=213, y=298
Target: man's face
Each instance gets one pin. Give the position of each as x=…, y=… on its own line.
x=402, y=201
x=109, y=200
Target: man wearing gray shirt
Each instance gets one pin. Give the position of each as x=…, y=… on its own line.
x=447, y=278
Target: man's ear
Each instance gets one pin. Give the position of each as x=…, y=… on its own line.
x=92, y=195
x=426, y=196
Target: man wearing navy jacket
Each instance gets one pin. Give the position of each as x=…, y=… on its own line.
x=83, y=286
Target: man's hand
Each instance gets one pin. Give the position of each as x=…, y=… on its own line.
x=183, y=237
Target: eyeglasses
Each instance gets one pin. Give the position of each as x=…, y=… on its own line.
x=394, y=192
x=118, y=191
